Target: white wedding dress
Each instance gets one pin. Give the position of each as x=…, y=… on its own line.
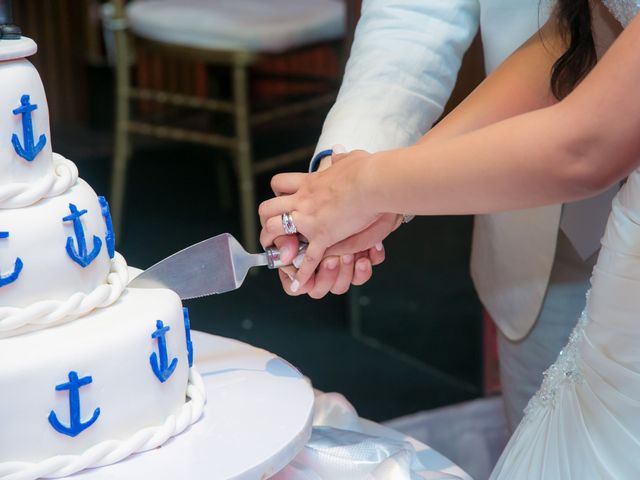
x=584, y=422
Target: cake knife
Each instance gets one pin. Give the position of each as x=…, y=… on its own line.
x=216, y=265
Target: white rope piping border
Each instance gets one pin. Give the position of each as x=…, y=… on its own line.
x=47, y=313
x=18, y=195
x=112, y=451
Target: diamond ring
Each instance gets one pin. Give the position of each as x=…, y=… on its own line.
x=287, y=224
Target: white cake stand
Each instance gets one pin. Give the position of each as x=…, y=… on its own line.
x=257, y=418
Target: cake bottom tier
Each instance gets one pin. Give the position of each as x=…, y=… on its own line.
x=95, y=390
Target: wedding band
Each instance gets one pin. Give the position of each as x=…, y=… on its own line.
x=287, y=224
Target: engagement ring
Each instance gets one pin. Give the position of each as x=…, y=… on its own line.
x=288, y=225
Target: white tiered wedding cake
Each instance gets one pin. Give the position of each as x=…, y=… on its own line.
x=90, y=371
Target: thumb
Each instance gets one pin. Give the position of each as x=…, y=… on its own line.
x=370, y=237
x=288, y=247
x=356, y=243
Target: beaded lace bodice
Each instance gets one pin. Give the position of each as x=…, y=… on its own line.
x=614, y=281
x=565, y=369
x=586, y=416
x=623, y=10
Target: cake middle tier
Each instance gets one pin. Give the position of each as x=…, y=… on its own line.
x=54, y=248
x=103, y=377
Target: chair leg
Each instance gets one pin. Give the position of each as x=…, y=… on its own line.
x=121, y=147
x=243, y=156
x=119, y=177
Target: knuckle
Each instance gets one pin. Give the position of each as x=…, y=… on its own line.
x=262, y=208
x=305, y=204
x=271, y=227
x=310, y=258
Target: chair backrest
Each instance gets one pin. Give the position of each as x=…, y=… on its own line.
x=118, y=8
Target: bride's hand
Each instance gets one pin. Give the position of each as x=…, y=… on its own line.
x=326, y=207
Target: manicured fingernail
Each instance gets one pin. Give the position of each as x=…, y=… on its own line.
x=331, y=263
x=362, y=266
x=298, y=260
x=347, y=259
x=339, y=149
x=379, y=246
x=295, y=285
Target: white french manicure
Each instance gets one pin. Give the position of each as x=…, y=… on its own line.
x=379, y=246
x=295, y=285
x=339, y=149
x=298, y=260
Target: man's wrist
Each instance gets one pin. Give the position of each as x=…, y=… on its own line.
x=325, y=163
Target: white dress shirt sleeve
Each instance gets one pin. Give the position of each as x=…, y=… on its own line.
x=403, y=66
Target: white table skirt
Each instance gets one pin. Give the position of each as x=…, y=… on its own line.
x=346, y=446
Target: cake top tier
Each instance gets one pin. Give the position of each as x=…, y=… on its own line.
x=14, y=49
x=27, y=171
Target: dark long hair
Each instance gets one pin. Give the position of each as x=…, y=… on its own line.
x=575, y=20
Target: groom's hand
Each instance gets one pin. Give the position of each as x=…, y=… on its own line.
x=335, y=274
x=372, y=235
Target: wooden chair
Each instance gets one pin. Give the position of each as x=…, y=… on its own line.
x=235, y=34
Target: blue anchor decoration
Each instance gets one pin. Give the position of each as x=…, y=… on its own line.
x=76, y=425
x=17, y=268
x=110, y=237
x=30, y=151
x=187, y=328
x=162, y=370
x=80, y=255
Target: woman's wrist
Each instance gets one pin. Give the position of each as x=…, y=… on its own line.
x=372, y=182
x=387, y=184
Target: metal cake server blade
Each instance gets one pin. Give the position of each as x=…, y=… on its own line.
x=216, y=265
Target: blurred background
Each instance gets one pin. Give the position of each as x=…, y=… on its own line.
x=181, y=121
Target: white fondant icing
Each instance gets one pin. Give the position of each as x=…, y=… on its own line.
x=48, y=313
x=113, y=346
x=17, y=78
x=63, y=177
x=38, y=235
x=234, y=439
x=112, y=451
x=17, y=48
